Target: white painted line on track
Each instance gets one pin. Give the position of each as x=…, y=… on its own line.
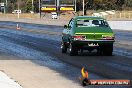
x=6, y=82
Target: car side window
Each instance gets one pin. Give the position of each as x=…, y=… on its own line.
x=71, y=23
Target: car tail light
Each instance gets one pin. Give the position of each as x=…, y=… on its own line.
x=79, y=37
x=108, y=38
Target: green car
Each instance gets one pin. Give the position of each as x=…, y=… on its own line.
x=87, y=33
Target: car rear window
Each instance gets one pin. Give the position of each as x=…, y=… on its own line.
x=91, y=23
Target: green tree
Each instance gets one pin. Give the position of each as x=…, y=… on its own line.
x=128, y=3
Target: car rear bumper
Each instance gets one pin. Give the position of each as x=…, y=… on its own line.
x=93, y=41
x=92, y=44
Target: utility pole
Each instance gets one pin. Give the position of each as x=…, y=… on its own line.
x=18, y=6
x=58, y=5
x=33, y=5
x=18, y=14
x=6, y=3
x=83, y=7
x=75, y=5
x=5, y=8
x=40, y=8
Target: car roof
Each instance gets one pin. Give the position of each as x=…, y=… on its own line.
x=88, y=17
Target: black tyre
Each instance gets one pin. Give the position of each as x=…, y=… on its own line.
x=63, y=48
x=107, y=49
x=73, y=50
x=99, y=51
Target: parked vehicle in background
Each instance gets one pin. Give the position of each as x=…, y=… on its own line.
x=16, y=11
x=54, y=15
x=87, y=33
x=31, y=12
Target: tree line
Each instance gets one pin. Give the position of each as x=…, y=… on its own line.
x=106, y=4
x=26, y=5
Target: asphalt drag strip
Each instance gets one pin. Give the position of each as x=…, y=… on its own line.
x=45, y=49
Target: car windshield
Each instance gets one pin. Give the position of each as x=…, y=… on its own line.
x=54, y=14
x=91, y=23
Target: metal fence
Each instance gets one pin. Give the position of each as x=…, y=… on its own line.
x=120, y=15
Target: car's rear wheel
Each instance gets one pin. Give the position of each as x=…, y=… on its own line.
x=63, y=48
x=107, y=49
x=73, y=50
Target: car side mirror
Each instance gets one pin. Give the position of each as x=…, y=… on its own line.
x=65, y=26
